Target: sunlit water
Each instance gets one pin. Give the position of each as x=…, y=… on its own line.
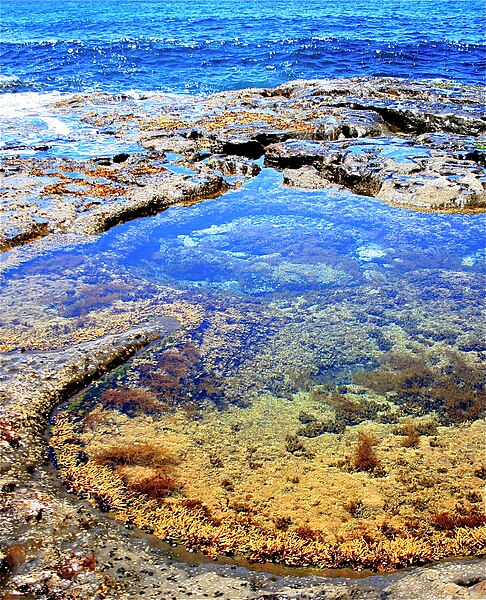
x=290, y=302
x=53, y=47
x=206, y=46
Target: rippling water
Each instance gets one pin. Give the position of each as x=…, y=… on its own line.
x=205, y=46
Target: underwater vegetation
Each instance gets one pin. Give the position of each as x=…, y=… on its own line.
x=364, y=458
x=178, y=378
x=454, y=388
x=73, y=304
x=91, y=297
x=450, y=521
x=346, y=410
x=344, y=475
x=131, y=401
x=157, y=485
x=149, y=504
x=411, y=435
x=141, y=454
x=167, y=377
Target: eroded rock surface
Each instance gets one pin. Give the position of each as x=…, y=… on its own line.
x=411, y=176
x=67, y=196
x=421, y=147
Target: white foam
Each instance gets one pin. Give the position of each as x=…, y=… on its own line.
x=24, y=104
x=57, y=126
x=8, y=81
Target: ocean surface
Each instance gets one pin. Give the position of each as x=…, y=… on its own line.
x=182, y=46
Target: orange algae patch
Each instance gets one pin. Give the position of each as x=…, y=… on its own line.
x=229, y=120
x=79, y=180
x=229, y=482
x=82, y=188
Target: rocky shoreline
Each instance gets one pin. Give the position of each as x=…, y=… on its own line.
x=408, y=144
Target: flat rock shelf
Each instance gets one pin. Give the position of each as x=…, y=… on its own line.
x=242, y=353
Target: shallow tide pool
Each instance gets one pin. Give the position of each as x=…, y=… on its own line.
x=320, y=403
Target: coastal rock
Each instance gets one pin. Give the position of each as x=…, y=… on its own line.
x=439, y=183
x=431, y=180
x=307, y=178
x=406, y=106
x=66, y=196
x=295, y=154
x=405, y=143
x=233, y=166
x=445, y=581
x=151, y=199
x=352, y=132
x=66, y=548
x=161, y=142
x=31, y=384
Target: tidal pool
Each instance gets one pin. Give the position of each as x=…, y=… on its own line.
x=321, y=402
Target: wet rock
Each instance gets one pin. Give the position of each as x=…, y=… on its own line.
x=459, y=147
x=4, y=566
x=307, y=178
x=73, y=551
x=39, y=381
x=294, y=154
x=153, y=198
x=161, y=142
x=233, y=166
x=65, y=196
x=431, y=181
x=120, y=158
x=446, y=581
x=21, y=228
x=406, y=106
x=346, y=133
x=104, y=161
x=438, y=183
x=344, y=123
x=241, y=147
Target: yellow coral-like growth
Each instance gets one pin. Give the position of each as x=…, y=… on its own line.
x=380, y=543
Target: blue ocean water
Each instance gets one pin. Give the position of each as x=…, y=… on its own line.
x=208, y=45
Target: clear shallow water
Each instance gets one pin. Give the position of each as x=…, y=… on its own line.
x=183, y=46
x=250, y=413
x=226, y=244
x=266, y=242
